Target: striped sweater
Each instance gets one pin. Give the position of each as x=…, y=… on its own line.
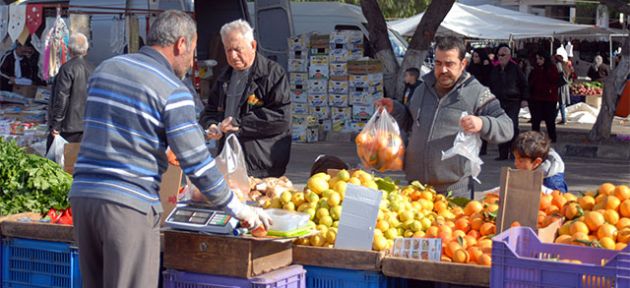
x=136, y=107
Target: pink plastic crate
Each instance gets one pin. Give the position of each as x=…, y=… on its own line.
x=517, y=261
x=290, y=277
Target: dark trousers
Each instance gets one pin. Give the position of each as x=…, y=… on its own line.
x=544, y=111
x=511, y=108
x=72, y=137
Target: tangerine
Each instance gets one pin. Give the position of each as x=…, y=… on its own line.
x=593, y=220
x=622, y=192
x=607, y=189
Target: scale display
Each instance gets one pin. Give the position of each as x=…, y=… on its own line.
x=201, y=219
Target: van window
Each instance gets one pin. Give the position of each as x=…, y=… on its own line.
x=280, y=26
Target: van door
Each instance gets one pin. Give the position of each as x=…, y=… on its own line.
x=274, y=24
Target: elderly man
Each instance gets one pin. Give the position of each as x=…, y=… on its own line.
x=251, y=98
x=599, y=71
x=432, y=119
x=66, y=107
x=136, y=106
x=508, y=83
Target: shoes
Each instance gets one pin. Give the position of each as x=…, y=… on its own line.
x=500, y=158
x=562, y=123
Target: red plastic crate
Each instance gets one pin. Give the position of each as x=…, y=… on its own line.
x=288, y=277
x=517, y=261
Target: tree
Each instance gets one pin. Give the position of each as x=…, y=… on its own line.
x=613, y=84
x=416, y=52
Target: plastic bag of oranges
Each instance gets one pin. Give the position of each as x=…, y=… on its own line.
x=379, y=144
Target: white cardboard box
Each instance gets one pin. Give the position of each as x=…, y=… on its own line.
x=362, y=112
x=299, y=96
x=318, y=100
x=318, y=71
x=299, y=42
x=320, y=112
x=337, y=113
x=338, y=69
x=360, y=98
x=317, y=86
x=299, y=108
x=337, y=87
x=338, y=100
x=297, y=65
x=298, y=78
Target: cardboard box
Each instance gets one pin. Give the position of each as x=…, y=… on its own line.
x=27, y=91
x=297, y=65
x=338, y=70
x=243, y=258
x=298, y=54
x=347, y=37
x=70, y=154
x=338, y=258
x=319, y=51
x=318, y=100
x=319, y=112
x=317, y=86
x=299, y=108
x=355, y=54
x=442, y=272
x=364, y=67
x=299, y=120
x=319, y=60
x=298, y=134
x=337, y=113
x=325, y=124
x=360, y=98
x=338, y=55
x=338, y=38
x=319, y=41
x=362, y=112
x=340, y=125
x=358, y=80
x=337, y=87
x=356, y=126
x=299, y=42
x=338, y=100
x=520, y=192
x=298, y=96
x=296, y=78
x=299, y=86
x=318, y=71
x=15, y=226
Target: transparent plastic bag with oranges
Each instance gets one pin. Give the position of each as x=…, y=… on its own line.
x=379, y=145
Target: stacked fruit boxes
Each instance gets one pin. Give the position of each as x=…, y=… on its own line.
x=365, y=87
x=344, y=46
x=302, y=130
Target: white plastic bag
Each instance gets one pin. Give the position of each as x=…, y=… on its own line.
x=467, y=145
x=231, y=163
x=55, y=153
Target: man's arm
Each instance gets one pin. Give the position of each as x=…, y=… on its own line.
x=496, y=126
x=186, y=139
x=61, y=100
x=210, y=114
x=273, y=117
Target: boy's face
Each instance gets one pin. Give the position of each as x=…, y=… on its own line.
x=410, y=78
x=524, y=163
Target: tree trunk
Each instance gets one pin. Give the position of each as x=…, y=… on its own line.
x=379, y=39
x=613, y=84
x=421, y=40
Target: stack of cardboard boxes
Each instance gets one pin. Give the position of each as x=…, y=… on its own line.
x=330, y=83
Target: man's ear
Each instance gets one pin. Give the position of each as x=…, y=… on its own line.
x=538, y=161
x=180, y=46
x=254, y=44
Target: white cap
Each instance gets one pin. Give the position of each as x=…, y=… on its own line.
x=562, y=52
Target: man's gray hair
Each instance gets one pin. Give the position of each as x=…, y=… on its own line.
x=78, y=44
x=169, y=26
x=239, y=25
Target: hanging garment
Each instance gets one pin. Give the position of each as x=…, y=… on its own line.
x=118, y=36
x=17, y=15
x=34, y=16
x=56, y=48
x=4, y=21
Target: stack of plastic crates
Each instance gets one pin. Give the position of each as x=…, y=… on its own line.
x=520, y=259
x=33, y=263
x=288, y=277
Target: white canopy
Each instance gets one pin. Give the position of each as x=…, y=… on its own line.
x=492, y=22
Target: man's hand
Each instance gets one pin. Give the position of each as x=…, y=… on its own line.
x=11, y=80
x=471, y=124
x=54, y=133
x=253, y=217
x=226, y=125
x=214, y=132
x=385, y=103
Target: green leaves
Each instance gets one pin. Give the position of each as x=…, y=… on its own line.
x=29, y=183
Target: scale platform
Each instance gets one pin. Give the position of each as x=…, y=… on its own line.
x=201, y=219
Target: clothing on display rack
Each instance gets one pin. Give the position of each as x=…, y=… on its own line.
x=55, y=48
x=4, y=21
x=17, y=15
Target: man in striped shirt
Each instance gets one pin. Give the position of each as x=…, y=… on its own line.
x=136, y=107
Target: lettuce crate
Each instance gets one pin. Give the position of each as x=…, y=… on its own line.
x=34, y=263
x=288, y=277
x=520, y=259
x=323, y=277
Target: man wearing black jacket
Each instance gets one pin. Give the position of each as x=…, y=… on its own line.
x=508, y=84
x=251, y=99
x=67, y=104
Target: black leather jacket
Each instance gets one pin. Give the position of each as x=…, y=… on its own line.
x=67, y=103
x=508, y=84
x=264, y=127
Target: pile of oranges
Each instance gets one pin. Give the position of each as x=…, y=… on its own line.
x=597, y=219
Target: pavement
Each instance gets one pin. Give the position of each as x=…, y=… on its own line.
x=584, y=172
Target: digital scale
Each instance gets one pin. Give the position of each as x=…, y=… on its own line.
x=201, y=219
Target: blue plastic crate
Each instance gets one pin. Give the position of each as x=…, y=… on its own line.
x=516, y=263
x=322, y=277
x=288, y=277
x=33, y=263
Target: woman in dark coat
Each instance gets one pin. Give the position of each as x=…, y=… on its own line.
x=543, y=91
x=480, y=67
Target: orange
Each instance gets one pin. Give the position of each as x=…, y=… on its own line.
x=620, y=246
x=445, y=259
x=579, y=236
x=587, y=202
x=491, y=208
x=463, y=224
x=572, y=210
x=515, y=224
x=461, y=256
x=594, y=220
x=612, y=202
x=565, y=229
x=600, y=198
x=475, y=223
x=439, y=206
x=458, y=234
x=485, y=245
x=451, y=247
x=624, y=208
x=607, y=189
x=563, y=239
x=470, y=240
x=611, y=216
x=558, y=200
x=622, y=192
x=623, y=222
x=552, y=209
x=458, y=211
x=578, y=227
x=487, y=229
x=623, y=236
x=484, y=260
x=472, y=207
x=545, y=202
x=569, y=197
x=607, y=230
x=474, y=233
x=432, y=232
x=607, y=243
x=474, y=253
x=550, y=219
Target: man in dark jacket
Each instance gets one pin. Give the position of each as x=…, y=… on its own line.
x=19, y=64
x=251, y=98
x=508, y=84
x=67, y=104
